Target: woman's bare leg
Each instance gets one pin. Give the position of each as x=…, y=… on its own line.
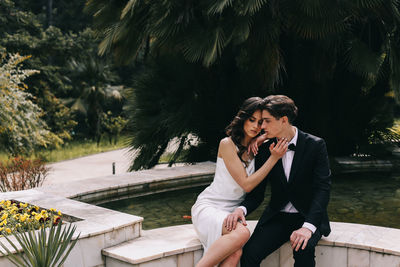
x=230, y=242
x=232, y=260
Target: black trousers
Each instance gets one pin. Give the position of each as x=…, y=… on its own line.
x=269, y=236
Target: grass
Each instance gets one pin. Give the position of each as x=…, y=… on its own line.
x=74, y=149
x=166, y=157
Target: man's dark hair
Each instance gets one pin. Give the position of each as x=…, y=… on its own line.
x=279, y=106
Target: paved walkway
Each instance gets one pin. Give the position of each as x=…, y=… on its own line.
x=92, y=166
x=88, y=167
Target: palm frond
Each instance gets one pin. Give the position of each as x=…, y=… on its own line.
x=129, y=8
x=218, y=6
x=205, y=47
x=363, y=61
x=369, y=4
x=317, y=29
x=253, y=6
x=109, y=38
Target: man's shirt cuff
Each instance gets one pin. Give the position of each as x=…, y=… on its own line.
x=310, y=227
x=244, y=209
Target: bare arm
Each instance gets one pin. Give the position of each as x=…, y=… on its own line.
x=227, y=152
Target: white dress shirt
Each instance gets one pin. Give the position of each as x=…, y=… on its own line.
x=287, y=161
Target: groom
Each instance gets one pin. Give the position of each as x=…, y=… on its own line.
x=300, y=187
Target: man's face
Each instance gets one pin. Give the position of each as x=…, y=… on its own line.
x=271, y=126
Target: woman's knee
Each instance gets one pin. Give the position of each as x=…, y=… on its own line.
x=242, y=233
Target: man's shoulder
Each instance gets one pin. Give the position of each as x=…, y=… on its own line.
x=311, y=138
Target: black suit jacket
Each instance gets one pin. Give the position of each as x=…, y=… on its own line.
x=308, y=188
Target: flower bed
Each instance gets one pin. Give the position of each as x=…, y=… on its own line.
x=19, y=217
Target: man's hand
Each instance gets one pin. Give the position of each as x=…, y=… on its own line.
x=232, y=219
x=299, y=237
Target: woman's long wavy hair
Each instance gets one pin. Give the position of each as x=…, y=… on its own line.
x=235, y=128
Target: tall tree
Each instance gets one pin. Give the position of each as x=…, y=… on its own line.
x=21, y=126
x=95, y=80
x=339, y=60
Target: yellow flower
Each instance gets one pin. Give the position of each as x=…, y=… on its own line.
x=14, y=209
x=59, y=213
x=2, y=202
x=23, y=205
x=23, y=217
x=38, y=216
x=1, y=229
x=5, y=215
x=8, y=230
x=4, y=222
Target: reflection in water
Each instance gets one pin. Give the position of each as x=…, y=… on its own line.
x=364, y=198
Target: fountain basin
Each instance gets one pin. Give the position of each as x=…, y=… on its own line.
x=113, y=239
x=353, y=245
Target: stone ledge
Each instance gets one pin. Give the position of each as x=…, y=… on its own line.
x=343, y=165
x=115, y=187
x=163, y=242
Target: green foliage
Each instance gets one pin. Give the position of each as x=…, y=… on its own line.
x=338, y=60
x=93, y=77
x=46, y=248
x=73, y=149
x=112, y=126
x=23, y=32
x=166, y=103
x=79, y=148
x=21, y=126
x=59, y=118
x=54, y=38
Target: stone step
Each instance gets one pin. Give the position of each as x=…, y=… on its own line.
x=354, y=165
x=175, y=246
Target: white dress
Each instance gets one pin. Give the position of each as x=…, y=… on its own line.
x=219, y=199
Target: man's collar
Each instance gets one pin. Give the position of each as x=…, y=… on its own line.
x=296, y=135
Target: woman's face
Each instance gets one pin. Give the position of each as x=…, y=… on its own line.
x=252, y=126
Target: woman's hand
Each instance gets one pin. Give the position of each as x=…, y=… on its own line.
x=279, y=149
x=255, y=143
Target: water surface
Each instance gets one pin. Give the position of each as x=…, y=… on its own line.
x=363, y=198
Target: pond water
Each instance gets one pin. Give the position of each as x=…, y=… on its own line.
x=372, y=199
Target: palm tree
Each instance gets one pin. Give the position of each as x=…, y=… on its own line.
x=338, y=59
x=93, y=78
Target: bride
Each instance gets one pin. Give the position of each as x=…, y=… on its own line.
x=234, y=176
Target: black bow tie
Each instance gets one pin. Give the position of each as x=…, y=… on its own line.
x=292, y=147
